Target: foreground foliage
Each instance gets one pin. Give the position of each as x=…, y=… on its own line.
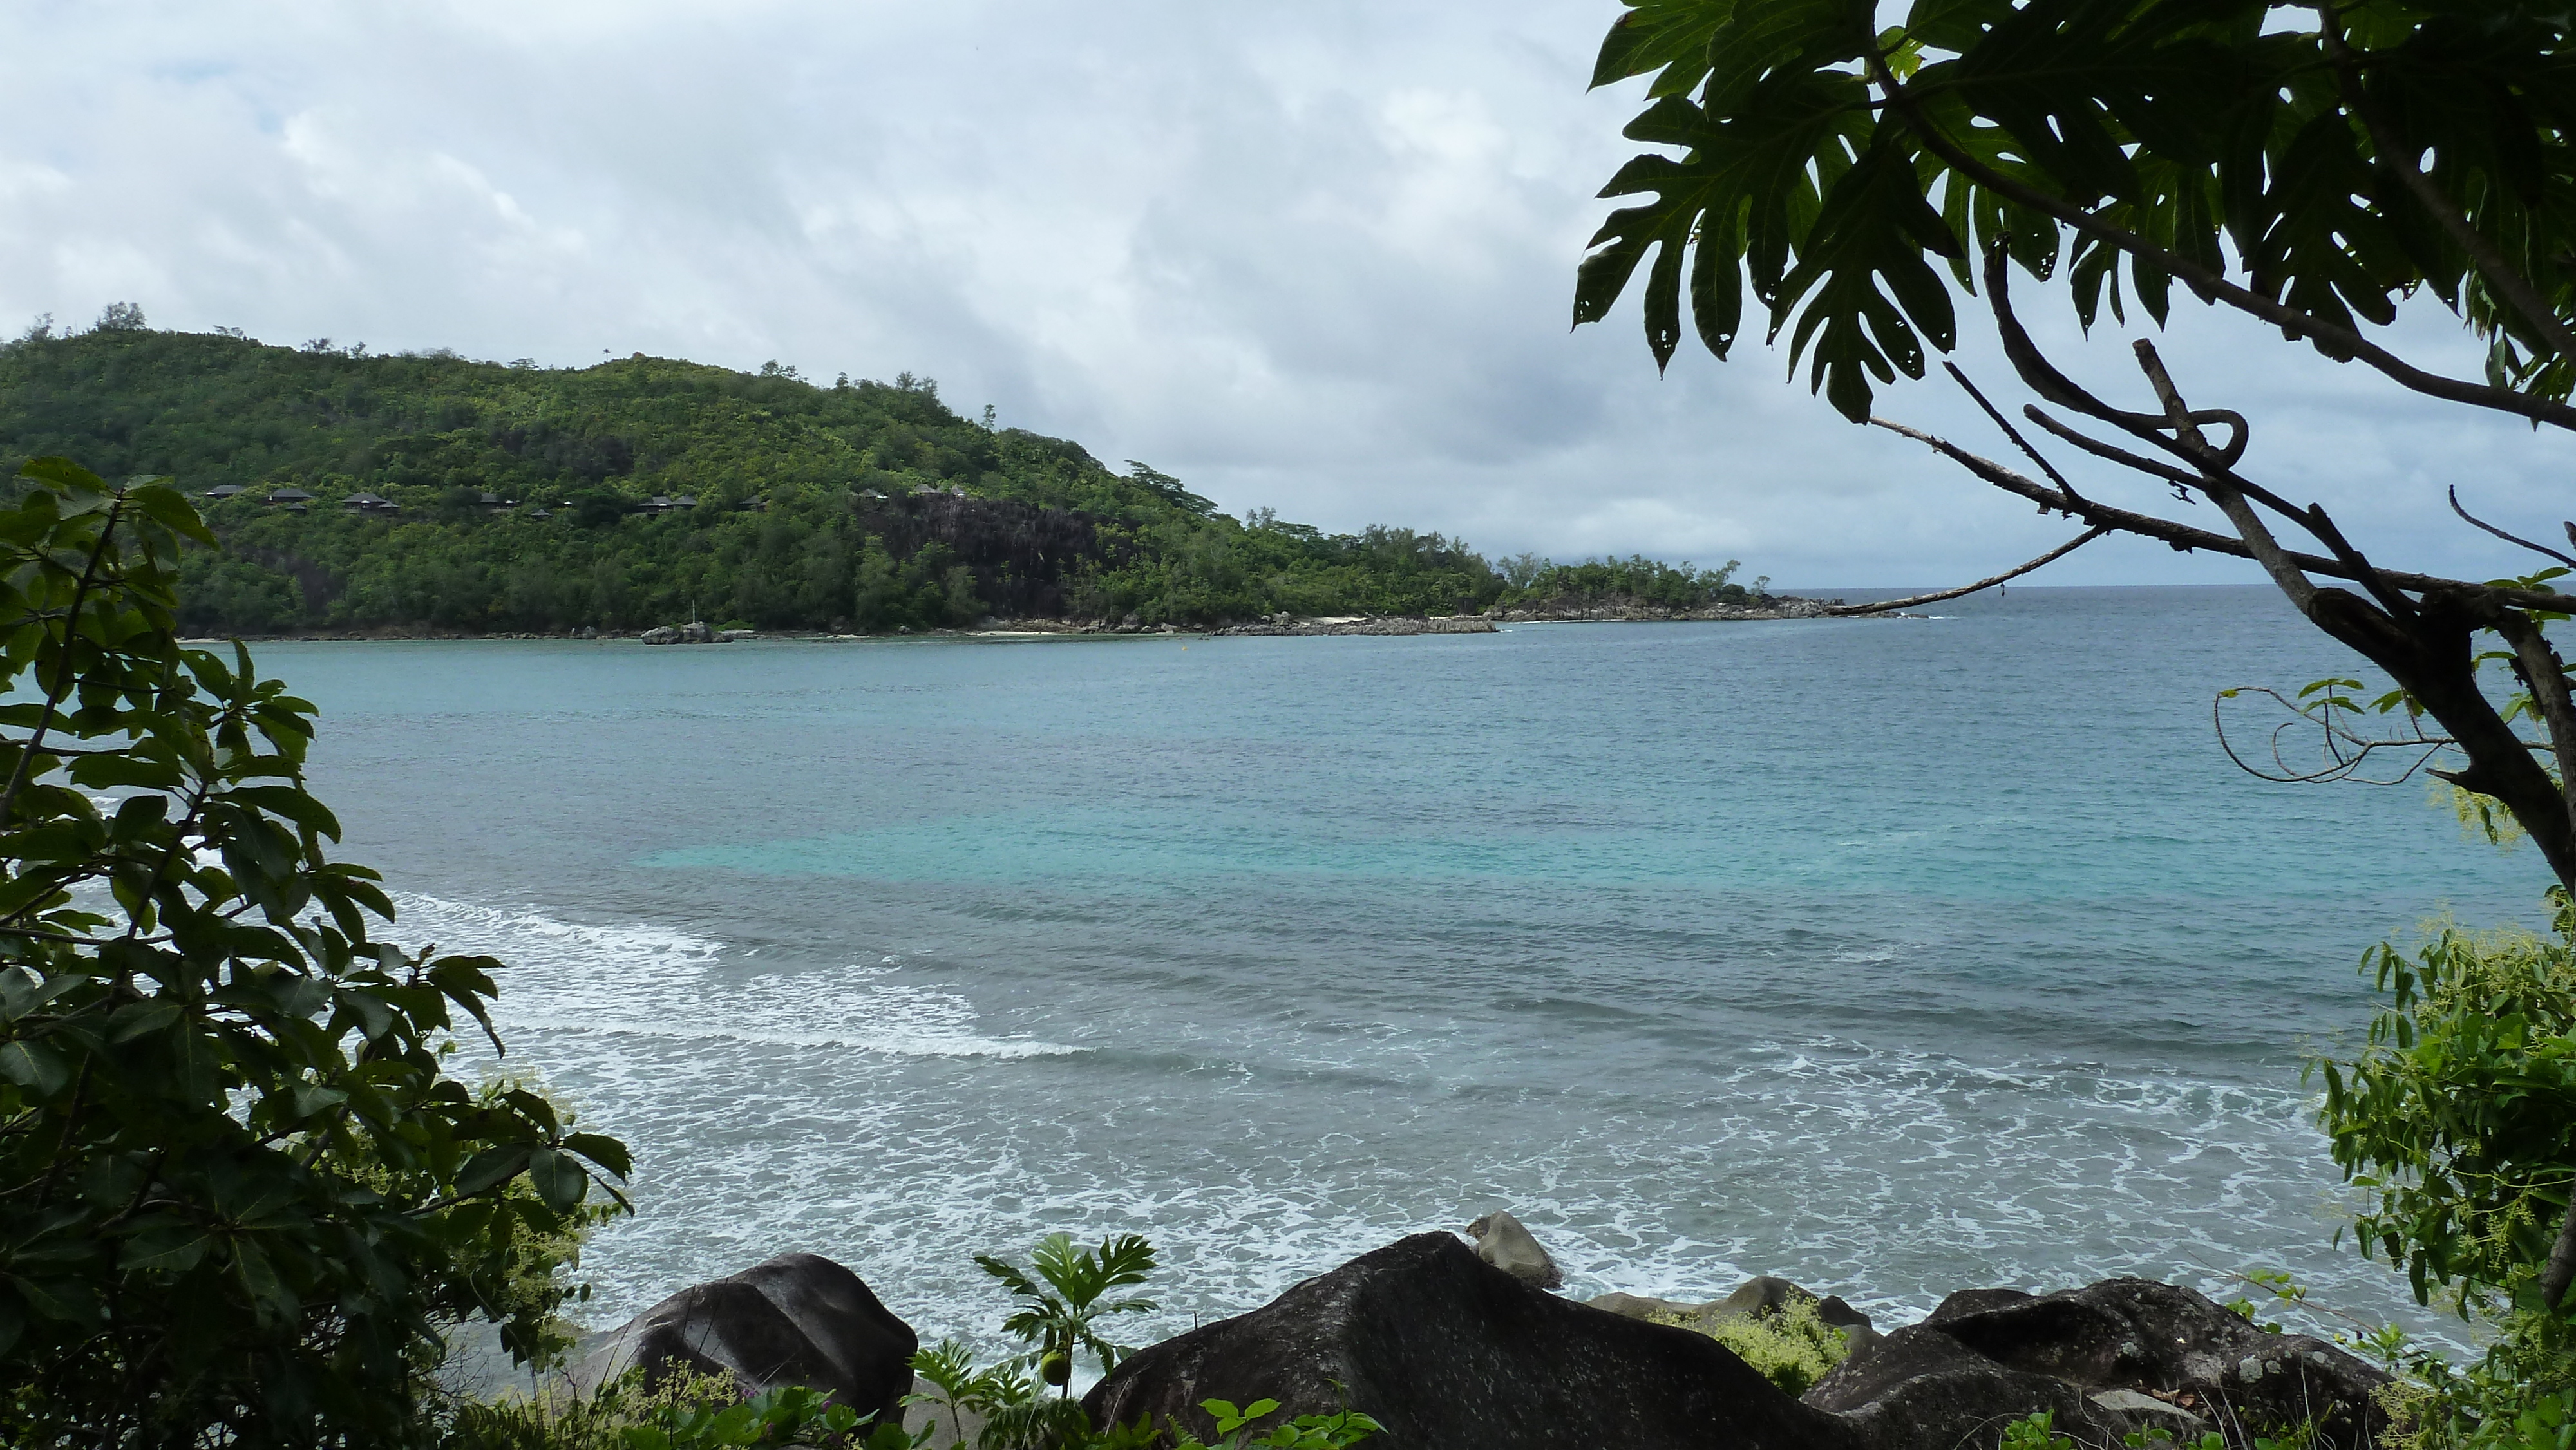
x=2307, y=167
x=1061, y=1297
x=810, y=504
x=240, y=1194
x=2457, y=1118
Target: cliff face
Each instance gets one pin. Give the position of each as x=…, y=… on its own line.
x=1024, y=556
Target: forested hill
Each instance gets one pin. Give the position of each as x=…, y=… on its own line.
x=512, y=498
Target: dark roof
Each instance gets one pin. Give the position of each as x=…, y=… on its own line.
x=289, y=495
x=685, y=501
x=226, y=490
x=541, y=513
x=363, y=500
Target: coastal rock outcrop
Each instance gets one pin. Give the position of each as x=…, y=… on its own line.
x=2100, y=1356
x=1282, y=624
x=694, y=632
x=797, y=1319
x=1451, y=1353
x=1502, y=1242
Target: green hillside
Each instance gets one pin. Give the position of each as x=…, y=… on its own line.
x=518, y=498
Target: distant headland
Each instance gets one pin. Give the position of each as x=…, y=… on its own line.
x=430, y=495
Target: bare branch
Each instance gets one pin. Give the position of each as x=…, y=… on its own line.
x=2546, y=676
x=2478, y=523
x=2231, y=500
x=2180, y=478
x=2053, y=555
x=2346, y=750
x=2186, y=538
x=1959, y=375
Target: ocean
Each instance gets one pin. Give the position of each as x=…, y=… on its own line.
x=1893, y=956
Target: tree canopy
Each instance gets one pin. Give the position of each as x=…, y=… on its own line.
x=2309, y=177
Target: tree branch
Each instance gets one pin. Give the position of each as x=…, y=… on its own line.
x=2560, y=1270
x=2186, y=538
x=2546, y=675
x=2053, y=555
x=2473, y=521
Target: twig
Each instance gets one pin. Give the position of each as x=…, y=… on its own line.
x=2060, y=552
x=2337, y=738
x=2185, y=537
x=1960, y=376
x=2478, y=523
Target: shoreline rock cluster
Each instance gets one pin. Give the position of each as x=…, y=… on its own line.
x=1282, y=624
x=1459, y=1348
x=1777, y=607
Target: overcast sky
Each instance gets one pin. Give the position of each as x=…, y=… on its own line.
x=1314, y=255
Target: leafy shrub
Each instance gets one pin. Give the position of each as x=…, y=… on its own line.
x=555, y=1418
x=2457, y=1117
x=1790, y=1346
x=239, y=1192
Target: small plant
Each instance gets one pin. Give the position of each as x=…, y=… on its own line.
x=557, y=1418
x=1000, y=1395
x=2039, y=1432
x=1065, y=1294
x=1791, y=1347
x=788, y=1415
x=2279, y=1285
x=1335, y=1431
x=1060, y=1318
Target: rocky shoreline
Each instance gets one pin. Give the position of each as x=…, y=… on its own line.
x=1461, y=1342
x=1780, y=607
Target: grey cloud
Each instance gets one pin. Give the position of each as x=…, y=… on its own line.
x=1312, y=256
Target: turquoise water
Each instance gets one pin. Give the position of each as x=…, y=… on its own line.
x=1895, y=956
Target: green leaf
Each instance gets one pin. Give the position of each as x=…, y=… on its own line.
x=558, y=1178
x=491, y=1168
x=607, y=1152
x=141, y=1019
x=34, y=1066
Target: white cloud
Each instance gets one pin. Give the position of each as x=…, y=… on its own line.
x=1317, y=256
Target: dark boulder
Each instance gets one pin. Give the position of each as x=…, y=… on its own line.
x=2136, y=1353
x=798, y=1319
x=1917, y=1387
x=1451, y=1353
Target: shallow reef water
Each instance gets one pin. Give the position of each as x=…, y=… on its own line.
x=1895, y=956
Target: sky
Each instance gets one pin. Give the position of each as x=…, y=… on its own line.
x=1314, y=256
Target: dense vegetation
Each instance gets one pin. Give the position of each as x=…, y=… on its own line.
x=240, y=1192
x=521, y=500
